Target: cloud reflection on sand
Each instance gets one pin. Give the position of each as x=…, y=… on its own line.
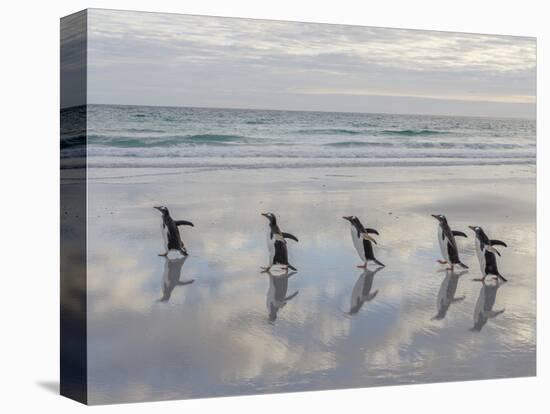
x=362, y=290
x=171, y=277
x=484, y=306
x=213, y=337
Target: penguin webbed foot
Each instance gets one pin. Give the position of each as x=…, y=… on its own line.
x=501, y=278
x=163, y=254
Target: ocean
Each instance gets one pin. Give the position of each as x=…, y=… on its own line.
x=145, y=136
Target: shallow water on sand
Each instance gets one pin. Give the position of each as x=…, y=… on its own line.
x=214, y=325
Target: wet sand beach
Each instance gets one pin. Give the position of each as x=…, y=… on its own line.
x=155, y=335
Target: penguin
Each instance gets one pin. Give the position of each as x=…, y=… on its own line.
x=277, y=294
x=361, y=292
x=484, y=305
x=486, y=253
x=171, y=277
x=170, y=232
x=447, y=242
x=363, y=241
x=276, y=244
x=446, y=296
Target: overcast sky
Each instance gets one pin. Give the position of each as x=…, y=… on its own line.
x=179, y=60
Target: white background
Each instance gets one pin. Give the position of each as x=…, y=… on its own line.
x=29, y=202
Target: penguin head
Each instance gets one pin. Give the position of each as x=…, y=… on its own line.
x=271, y=217
x=163, y=210
x=354, y=220
x=478, y=231
x=440, y=217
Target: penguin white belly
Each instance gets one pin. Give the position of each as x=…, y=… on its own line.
x=270, y=248
x=480, y=257
x=358, y=243
x=442, y=244
x=164, y=231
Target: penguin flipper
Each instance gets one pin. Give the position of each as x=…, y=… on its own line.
x=463, y=265
x=498, y=243
x=291, y=296
x=291, y=267
x=492, y=249
x=289, y=236
x=368, y=238
x=373, y=231
x=183, y=223
x=448, y=234
x=459, y=233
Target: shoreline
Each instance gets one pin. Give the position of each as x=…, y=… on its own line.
x=389, y=174
x=297, y=163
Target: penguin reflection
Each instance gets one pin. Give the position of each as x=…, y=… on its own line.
x=361, y=292
x=446, y=296
x=484, y=305
x=277, y=293
x=171, y=277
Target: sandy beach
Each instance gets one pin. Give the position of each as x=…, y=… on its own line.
x=410, y=322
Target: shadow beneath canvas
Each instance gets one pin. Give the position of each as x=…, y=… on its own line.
x=51, y=386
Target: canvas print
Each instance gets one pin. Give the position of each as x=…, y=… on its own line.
x=254, y=206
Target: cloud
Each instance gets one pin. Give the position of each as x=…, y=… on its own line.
x=153, y=58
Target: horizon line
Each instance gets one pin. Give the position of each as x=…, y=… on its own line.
x=314, y=111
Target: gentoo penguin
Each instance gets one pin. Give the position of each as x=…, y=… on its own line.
x=447, y=242
x=276, y=294
x=447, y=290
x=486, y=253
x=276, y=244
x=171, y=277
x=484, y=306
x=362, y=290
x=170, y=232
x=362, y=241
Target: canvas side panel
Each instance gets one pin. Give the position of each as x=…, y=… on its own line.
x=73, y=358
